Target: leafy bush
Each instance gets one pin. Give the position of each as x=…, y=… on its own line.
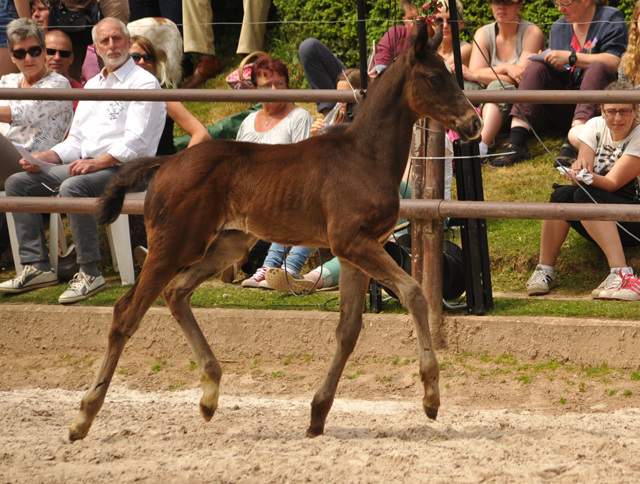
x=339, y=33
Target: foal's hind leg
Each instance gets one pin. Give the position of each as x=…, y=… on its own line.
x=353, y=290
x=370, y=256
x=127, y=314
x=226, y=249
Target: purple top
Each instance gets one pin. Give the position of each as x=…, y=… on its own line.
x=392, y=44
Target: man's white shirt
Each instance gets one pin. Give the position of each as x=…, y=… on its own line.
x=125, y=129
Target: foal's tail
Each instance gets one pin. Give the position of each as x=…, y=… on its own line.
x=128, y=178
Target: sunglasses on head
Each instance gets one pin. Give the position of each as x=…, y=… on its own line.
x=35, y=51
x=146, y=57
x=63, y=53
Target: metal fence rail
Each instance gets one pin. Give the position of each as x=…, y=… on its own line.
x=415, y=209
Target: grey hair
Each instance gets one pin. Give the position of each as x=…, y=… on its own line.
x=111, y=19
x=22, y=29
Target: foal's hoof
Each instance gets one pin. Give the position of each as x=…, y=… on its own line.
x=313, y=433
x=76, y=434
x=432, y=412
x=207, y=412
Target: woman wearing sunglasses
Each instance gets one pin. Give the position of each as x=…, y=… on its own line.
x=501, y=48
x=445, y=49
x=37, y=125
x=145, y=55
x=610, y=157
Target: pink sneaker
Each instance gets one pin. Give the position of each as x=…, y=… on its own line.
x=256, y=279
x=629, y=289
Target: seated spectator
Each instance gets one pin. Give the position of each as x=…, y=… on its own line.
x=610, y=152
x=60, y=57
x=585, y=49
x=629, y=69
x=40, y=13
x=144, y=55
x=103, y=135
x=346, y=81
x=275, y=123
x=37, y=125
x=505, y=44
x=446, y=46
x=321, y=67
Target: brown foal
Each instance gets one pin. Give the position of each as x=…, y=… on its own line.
x=209, y=205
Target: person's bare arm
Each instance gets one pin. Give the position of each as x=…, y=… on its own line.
x=183, y=118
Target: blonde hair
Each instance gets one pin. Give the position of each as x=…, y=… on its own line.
x=631, y=58
x=459, y=5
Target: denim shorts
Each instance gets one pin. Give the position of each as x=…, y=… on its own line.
x=8, y=13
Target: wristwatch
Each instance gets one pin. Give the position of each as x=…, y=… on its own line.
x=573, y=58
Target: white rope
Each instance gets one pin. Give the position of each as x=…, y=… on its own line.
x=458, y=157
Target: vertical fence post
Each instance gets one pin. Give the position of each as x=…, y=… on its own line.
x=427, y=239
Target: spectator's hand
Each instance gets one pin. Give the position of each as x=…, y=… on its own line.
x=82, y=167
x=568, y=177
x=28, y=166
x=515, y=72
x=558, y=58
x=579, y=164
x=48, y=156
x=317, y=125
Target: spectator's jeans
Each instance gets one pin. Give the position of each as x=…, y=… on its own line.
x=539, y=76
x=321, y=67
x=295, y=260
x=29, y=227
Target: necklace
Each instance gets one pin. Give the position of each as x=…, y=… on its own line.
x=24, y=79
x=575, y=26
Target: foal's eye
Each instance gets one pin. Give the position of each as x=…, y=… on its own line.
x=434, y=80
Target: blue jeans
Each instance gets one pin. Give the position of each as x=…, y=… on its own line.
x=8, y=13
x=295, y=260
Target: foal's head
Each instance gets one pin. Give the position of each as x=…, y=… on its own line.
x=432, y=90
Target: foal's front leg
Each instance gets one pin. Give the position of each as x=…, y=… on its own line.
x=353, y=290
x=371, y=257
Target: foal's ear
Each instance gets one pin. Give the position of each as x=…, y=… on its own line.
x=424, y=44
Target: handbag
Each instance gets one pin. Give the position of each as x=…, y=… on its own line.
x=241, y=77
x=75, y=22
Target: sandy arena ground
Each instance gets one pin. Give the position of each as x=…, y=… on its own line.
x=492, y=427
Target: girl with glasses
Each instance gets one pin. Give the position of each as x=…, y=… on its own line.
x=446, y=46
x=609, y=164
x=501, y=48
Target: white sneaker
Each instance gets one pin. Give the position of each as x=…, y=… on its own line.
x=610, y=285
x=81, y=287
x=541, y=281
x=256, y=279
x=29, y=278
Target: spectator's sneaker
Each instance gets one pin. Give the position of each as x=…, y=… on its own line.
x=264, y=284
x=256, y=279
x=541, y=282
x=81, y=287
x=521, y=153
x=230, y=273
x=629, y=289
x=140, y=254
x=566, y=157
x=29, y=278
x=281, y=280
x=610, y=285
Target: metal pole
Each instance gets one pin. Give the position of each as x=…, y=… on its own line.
x=455, y=41
x=362, y=42
x=418, y=182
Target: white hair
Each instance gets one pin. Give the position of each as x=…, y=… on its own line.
x=110, y=19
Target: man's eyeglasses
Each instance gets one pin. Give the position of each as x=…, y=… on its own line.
x=269, y=85
x=148, y=58
x=65, y=54
x=35, y=51
x=506, y=3
x=563, y=4
x=611, y=113
x=439, y=21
